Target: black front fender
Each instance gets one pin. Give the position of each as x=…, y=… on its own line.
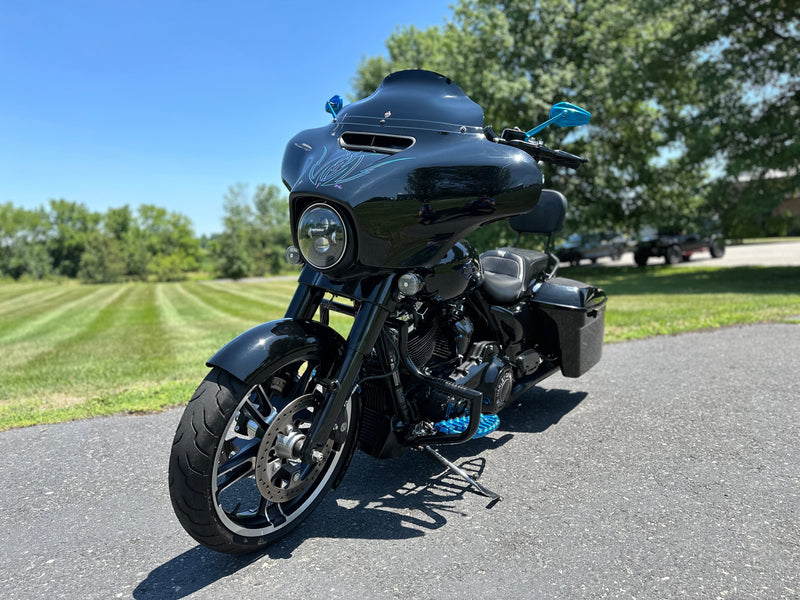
x=276, y=343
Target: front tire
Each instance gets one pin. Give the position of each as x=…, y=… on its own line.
x=673, y=255
x=234, y=481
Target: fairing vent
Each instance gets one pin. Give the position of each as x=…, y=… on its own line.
x=370, y=142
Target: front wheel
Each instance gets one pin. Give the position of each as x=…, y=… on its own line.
x=673, y=255
x=235, y=481
x=717, y=249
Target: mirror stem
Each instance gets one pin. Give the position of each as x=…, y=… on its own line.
x=538, y=128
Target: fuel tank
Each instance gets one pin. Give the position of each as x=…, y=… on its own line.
x=458, y=271
x=411, y=169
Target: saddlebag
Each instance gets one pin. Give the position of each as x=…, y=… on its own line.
x=571, y=315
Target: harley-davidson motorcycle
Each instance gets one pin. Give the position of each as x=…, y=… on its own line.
x=442, y=339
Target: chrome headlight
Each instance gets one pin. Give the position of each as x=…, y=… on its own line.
x=322, y=236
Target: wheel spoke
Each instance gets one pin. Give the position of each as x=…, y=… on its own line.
x=251, y=409
x=239, y=466
x=302, y=385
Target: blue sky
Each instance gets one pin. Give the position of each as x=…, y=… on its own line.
x=120, y=102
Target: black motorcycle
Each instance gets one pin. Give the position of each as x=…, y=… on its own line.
x=442, y=339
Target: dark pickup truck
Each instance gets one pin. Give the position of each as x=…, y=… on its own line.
x=674, y=246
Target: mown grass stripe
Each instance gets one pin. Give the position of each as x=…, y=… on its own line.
x=36, y=302
x=231, y=303
x=56, y=317
x=120, y=347
x=210, y=310
x=276, y=301
x=12, y=291
x=187, y=331
x=36, y=349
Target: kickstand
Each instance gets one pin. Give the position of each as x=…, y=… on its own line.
x=463, y=474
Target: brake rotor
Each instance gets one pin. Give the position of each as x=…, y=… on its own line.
x=279, y=475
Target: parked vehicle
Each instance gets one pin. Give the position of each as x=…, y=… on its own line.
x=673, y=245
x=591, y=246
x=442, y=339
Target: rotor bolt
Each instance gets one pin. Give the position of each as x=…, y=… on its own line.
x=296, y=477
x=316, y=456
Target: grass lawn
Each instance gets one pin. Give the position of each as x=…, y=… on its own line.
x=72, y=351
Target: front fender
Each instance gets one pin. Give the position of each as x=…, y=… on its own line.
x=271, y=345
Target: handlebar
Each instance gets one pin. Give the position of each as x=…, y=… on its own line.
x=540, y=152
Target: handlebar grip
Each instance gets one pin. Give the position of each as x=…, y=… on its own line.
x=568, y=160
x=541, y=152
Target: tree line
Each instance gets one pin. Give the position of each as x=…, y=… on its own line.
x=150, y=243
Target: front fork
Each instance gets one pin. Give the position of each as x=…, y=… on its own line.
x=374, y=299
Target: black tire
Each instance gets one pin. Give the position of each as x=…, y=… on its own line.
x=673, y=255
x=230, y=488
x=717, y=249
x=640, y=258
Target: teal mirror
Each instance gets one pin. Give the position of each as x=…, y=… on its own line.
x=563, y=114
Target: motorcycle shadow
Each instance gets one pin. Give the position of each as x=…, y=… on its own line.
x=409, y=496
x=395, y=499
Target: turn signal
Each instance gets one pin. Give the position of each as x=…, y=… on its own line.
x=293, y=256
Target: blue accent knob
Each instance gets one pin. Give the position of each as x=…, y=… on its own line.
x=334, y=105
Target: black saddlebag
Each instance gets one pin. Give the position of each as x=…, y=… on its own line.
x=571, y=315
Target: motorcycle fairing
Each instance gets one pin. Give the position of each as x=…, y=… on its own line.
x=410, y=203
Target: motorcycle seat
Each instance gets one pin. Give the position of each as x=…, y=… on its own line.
x=508, y=272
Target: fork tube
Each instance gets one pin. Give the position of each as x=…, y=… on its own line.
x=364, y=333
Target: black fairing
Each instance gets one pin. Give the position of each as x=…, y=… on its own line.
x=423, y=177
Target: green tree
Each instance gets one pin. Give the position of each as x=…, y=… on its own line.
x=234, y=250
x=22, y=249
x=728, y=78
x=71, y=224
x=256, y=232
x=103, y=261
x=165, y=240
x=273, y=230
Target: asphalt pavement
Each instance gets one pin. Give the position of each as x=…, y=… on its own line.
x=672, y=469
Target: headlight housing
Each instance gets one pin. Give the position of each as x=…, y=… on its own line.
x=322, y=236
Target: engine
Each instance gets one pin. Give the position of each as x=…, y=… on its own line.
x=441, y=344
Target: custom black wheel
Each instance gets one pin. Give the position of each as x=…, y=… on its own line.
x=234, y=477
x=673, y=255
x=717, y=249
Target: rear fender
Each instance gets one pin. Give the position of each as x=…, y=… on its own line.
x=276, y=343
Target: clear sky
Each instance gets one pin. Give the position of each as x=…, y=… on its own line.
x=114, y=102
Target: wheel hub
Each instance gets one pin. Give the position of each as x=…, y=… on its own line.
x=280, y=475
